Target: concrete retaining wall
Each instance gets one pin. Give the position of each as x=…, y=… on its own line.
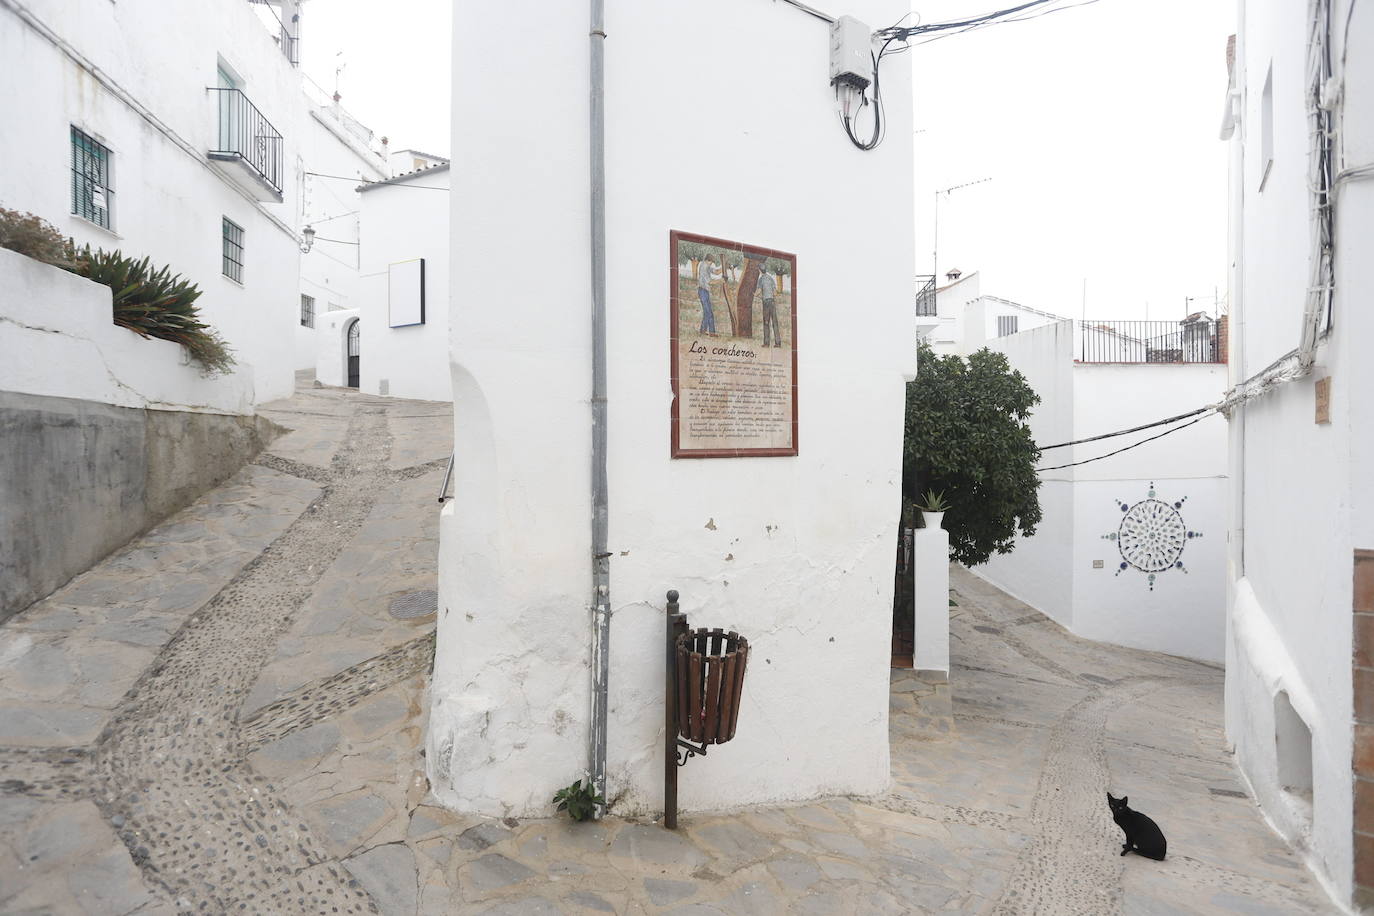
x=79, y=479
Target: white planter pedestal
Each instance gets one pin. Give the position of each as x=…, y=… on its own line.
x=930, y=570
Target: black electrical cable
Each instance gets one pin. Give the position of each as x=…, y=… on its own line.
x=903, y=34
x=1133, y=429
x=364, y=182
x=879, y=121
x=983, y=25
x=908, y=31
x=1120, y=450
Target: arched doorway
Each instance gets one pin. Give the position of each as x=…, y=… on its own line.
x=353, y=354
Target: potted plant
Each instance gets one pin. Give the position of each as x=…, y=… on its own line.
x=933, y=507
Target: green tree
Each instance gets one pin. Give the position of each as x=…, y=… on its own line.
x=966, y=435
x=780, y=266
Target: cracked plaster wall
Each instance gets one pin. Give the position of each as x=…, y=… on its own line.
x=59, y=341
x=795, y=553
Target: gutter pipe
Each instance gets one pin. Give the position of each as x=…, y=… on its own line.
x=601, y=570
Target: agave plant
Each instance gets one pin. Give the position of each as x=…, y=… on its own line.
x=156, y=303
x=933, y=501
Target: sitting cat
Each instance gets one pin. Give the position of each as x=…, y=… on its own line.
x=1142, y=834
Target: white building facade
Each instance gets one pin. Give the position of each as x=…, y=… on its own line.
x=338, y=153
x=793, y=552
x=959, y=318
x=191, y=162
x=1300, y=671
x=403, y=299
x=1131, y=546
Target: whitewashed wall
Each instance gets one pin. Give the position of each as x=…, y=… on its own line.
x=51, y=318
x=1040, y=570
x=401, y=221
x=1055, y=570
x=795, y=553
x=331, y=338
x=169, y=200
x=329, y=272
x=980, y=321
x=1185, y=612
x=1291, y=573
x=946, y=327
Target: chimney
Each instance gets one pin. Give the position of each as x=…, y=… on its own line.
x=954, y=274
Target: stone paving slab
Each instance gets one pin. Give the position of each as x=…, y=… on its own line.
x=67, y=661
x=347, y=618
x=225, y=717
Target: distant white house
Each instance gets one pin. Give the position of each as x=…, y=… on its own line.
x=412, y=160
x=1300, y=650
x=1131, y=549
x=395, y=342
x=1089, y=565
x=959, y=318
x=338, y=152
x=173, y=131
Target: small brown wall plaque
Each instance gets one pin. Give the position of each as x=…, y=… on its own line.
x=1324, y=400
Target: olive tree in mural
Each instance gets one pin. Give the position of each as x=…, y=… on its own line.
x=966, y=435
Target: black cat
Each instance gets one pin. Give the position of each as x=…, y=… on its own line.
x=1142, y=834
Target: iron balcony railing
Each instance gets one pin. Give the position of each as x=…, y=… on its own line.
x=925, y=295
x=244, y=134
x=1200, y=340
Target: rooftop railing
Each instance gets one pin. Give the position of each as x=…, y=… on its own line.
x=925, y=296
x=246, y=135
x=1197, y=340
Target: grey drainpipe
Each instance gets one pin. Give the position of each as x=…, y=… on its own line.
x=601, y=568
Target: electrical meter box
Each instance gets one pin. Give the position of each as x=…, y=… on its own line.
x=851, y=53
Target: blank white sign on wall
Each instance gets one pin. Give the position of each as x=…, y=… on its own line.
x=406, y=293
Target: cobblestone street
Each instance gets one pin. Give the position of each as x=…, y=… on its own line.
x=226, y=715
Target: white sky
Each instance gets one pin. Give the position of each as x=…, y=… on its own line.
x=396, y=65
x=1098, y=126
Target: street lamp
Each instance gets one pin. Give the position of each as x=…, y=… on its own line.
x=307, y=239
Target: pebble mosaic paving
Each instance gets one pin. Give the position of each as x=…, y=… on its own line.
x=225, y=716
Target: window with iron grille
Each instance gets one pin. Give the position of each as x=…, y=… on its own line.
x=1006, y=324
x=92, y=196
x=307, y=311
x=233, y=251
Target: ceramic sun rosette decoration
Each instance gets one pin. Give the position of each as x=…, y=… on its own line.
x=1152, y=536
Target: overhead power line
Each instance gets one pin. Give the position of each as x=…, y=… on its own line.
x=896, y=39
x=364, y=181
x=1133, y=429
x=1124, y=449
